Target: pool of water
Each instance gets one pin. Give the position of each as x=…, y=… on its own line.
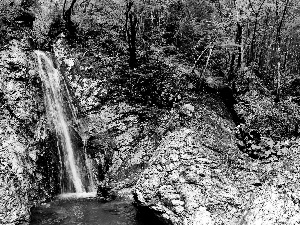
x=86, y=211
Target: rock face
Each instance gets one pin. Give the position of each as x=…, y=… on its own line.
x=28, y=167
x=198, y=176
x=182, y=165
x=120, y=143
x=174, y=184
x=187, y=170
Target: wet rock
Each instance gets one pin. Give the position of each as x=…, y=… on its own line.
x=24, y=182
x=116, y=137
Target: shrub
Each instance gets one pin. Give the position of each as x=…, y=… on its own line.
x=270, y=119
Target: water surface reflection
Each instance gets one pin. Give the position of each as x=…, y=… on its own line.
x=86, y=212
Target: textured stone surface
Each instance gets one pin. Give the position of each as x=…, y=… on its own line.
x=24, y=137
x=133, y=145
x=181, y=164
x=198, y=176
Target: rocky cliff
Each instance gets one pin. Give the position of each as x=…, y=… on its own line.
x=178, y=164
x=198, y=176
x=28, y=155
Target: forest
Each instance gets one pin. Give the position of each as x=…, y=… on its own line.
x=144, y=77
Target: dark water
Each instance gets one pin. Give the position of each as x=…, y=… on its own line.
x=86, y=212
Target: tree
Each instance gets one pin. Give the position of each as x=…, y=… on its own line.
x=67, y=12
x=131, y=32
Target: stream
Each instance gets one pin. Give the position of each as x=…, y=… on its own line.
x=86, y=211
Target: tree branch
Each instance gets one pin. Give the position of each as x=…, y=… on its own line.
x=67, y=13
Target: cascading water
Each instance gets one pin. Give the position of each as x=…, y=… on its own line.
x=76, y=176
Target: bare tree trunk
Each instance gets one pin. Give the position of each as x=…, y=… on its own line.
x=278, y=49
x=251, y=58
x=206, y=65
x=67, y=17
x=238, y=41
x=68, y=12
x=277, y=99
x=253, y=42
x=131, y=28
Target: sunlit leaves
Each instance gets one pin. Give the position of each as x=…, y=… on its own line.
x=45, y=14
x=92, y=14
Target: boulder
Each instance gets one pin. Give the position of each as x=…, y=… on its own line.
x=198, y=176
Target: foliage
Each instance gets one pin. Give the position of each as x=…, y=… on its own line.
x=271, y=119
x=249, y=49
x=151, y=84
x=252, y=143
x=48, y=15
x=251, y=44
x=256, y=35
x=8, y=28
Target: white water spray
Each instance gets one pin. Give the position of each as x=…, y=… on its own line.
x=52, y=80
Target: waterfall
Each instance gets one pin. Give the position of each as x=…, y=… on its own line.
x=75, y=173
